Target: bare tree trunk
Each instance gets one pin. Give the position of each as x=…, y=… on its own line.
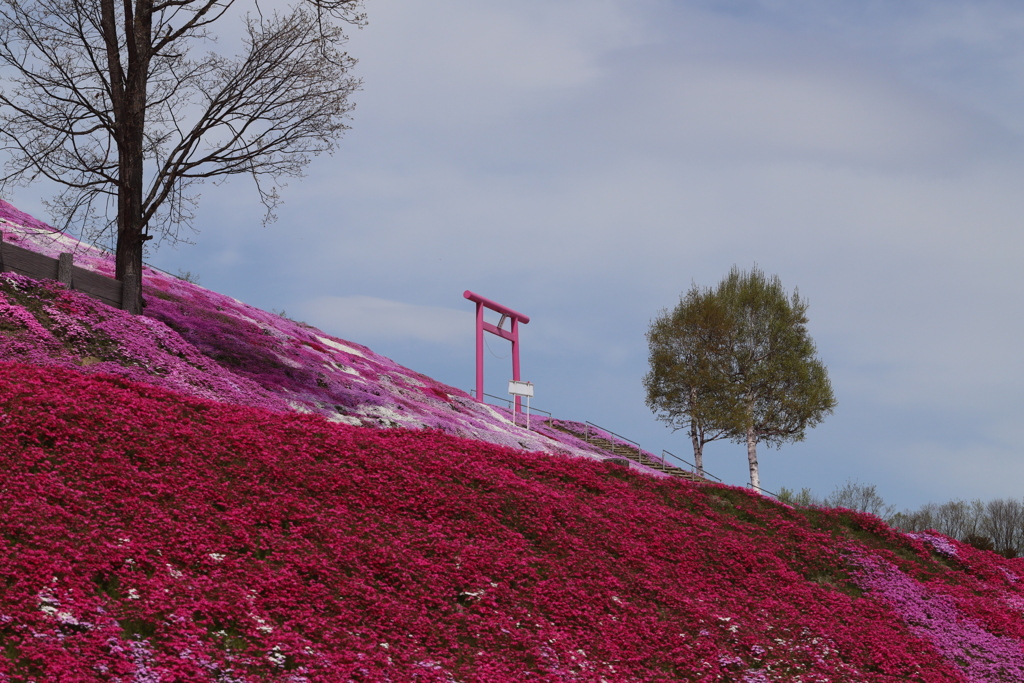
x=755, y=479
x=129, y=105
x=130, y=224
x=104, y=94
x=698, y=450
x=130, y=236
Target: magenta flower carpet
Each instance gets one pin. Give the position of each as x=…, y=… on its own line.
x=210, y=345
x=212, y=493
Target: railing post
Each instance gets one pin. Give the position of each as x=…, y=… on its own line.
x=64, y=263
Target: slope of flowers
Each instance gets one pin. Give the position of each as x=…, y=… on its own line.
x=45, y=324
x=150, y=536
x=207, y=344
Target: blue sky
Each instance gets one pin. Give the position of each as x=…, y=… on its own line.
x=585, y=161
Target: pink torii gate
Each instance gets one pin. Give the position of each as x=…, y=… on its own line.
x=511, y=335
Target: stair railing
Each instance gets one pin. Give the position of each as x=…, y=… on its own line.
x=639, y=451
x=472, y=392
x=691, y=465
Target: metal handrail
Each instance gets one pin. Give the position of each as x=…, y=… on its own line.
x=758, y=488
x=608, y=431
x=639, y=451
x=472, y=392
x=694, y=467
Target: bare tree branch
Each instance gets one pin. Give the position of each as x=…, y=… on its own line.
x=105, y=98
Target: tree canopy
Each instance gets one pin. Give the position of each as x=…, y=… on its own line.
x=686, y=385
x=129, y=104
x=738, y=362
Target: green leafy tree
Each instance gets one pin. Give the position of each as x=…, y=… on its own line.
x=686, y=386
x=738, y=362
x=771, y=362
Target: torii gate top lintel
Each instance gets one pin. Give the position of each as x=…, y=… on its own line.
x=496, y=307
x=512, y=335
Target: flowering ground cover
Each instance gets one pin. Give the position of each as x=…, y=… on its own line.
x=211, y=345
x=146, y=535
x=206, y=493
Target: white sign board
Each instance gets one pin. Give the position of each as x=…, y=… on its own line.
x=520, y=388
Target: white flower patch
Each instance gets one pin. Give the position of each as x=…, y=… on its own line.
x=384, y=413
x=288, y=361
x=217, y=557
x=276, y=657
x=261, y=624
x=331, y=365
x=340, y=347
x=243, y=316
x=48, y=603
x=68, y=619
x=271, y=331
x=133, y=594
x=495, y=414
x=345, y=420
x=412, y=381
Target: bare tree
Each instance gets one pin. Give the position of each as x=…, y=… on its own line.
x=861, y=497
x=1004, y=524
x=959, y=519
x=996, y=525
x=805, y=498
x=113, y=101
x=917, y=520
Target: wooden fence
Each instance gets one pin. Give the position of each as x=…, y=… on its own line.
x=26, y=262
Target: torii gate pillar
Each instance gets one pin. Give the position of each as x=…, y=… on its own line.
x=511, y=335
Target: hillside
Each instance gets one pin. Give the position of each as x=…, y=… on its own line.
x=206, y=344
x=151, y=536
x=210, y=492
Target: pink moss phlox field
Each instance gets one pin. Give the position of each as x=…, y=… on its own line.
x=942, y=544
x=42, y=322
x=935, y=616
x=148, y=535
x=274, y=362
x=317, y=373
x=194, y=495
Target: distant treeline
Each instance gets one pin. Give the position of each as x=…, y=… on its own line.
x=996, y=525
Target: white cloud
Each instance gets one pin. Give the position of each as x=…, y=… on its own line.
x=782, y=110
x=367, y=318
x=468, y=60
x=585, y=160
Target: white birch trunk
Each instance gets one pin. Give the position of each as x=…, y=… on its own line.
x=698, y=451
x=755, y=479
